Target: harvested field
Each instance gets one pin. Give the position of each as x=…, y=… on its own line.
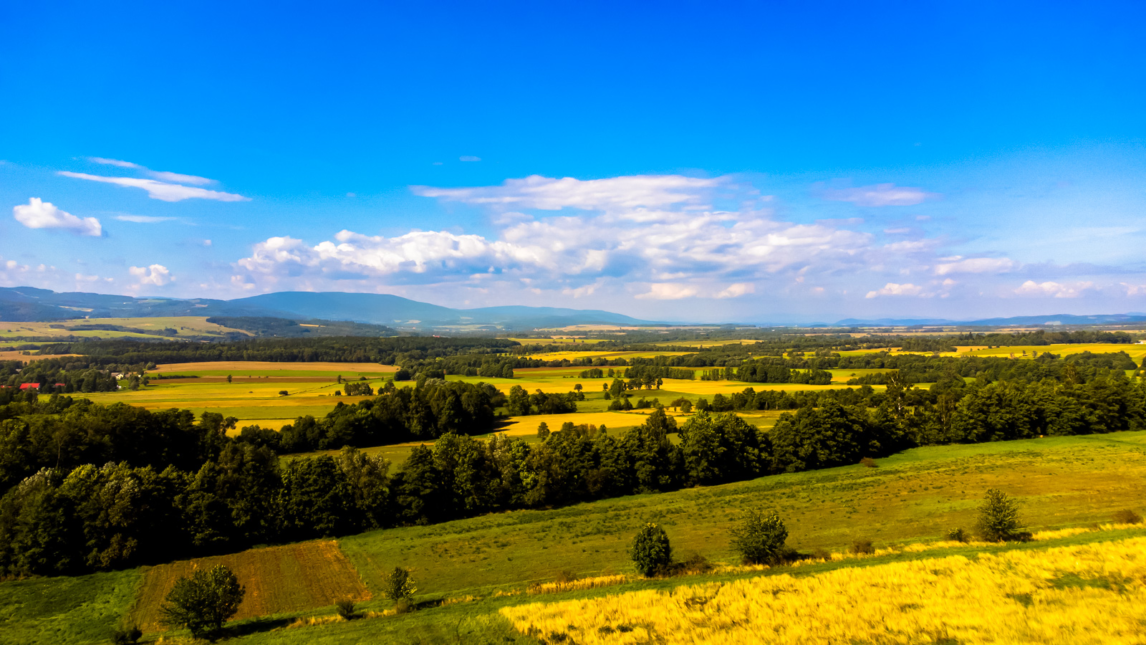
x=527, y=426
x=277, y=579
x=245, y=367
x=20, y=356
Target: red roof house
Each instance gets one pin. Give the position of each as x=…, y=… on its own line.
x=29, y=386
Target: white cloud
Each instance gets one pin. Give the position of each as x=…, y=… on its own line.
x=144, y=219
x=547, y=193
x=41, y=214
x=160, y=190
x=80, y=278
x=668, y=291
x=172, y=177
x=469, y=158
x=115, y=162
x=880, y=195
x=659, y=231
x=737, y=290
x=893, y=289
x=1053, y=289
x=957, y=264
x=156, y=274
x=178, y=178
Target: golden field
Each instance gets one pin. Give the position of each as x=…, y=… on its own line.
x=1094, y=593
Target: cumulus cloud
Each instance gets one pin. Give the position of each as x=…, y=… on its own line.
x=160, y=190
x=156, y=275
x=661, y=232
x=668, y=291
x=737, y=290
x=40, y=214
x=957, y=264
x=1053, y=289
x=880, y=195
x=893, y=289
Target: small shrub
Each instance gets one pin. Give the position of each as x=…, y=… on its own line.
x=399, y=585
x=822, y=554
x=868, y=462
x=650, y=550
x=402, y=606
x=999, y=518
x=126, y=636
x=346, y=608
x=760, y=538
x=283, y=393
x=862, y=547
x=566, y=576
x=959, y=535
x=1127, y=517
x=696, y=563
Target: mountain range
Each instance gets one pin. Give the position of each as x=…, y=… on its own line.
x=28, y=304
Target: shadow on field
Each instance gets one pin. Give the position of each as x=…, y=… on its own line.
x=255, y=626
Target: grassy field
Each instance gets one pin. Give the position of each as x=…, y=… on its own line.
x=81, y=609
x=277, y=580
x=185, y=325
x=909, y=500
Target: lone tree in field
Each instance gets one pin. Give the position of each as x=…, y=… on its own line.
x=760, y=539
x=399, y=586
x=543, y=431
x=650, y=550
x=999, y=518
x=203, y=602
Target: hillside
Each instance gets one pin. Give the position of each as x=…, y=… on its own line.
x=494, y=566
x=27, y=304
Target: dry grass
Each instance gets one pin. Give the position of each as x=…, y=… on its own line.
x=277, y=579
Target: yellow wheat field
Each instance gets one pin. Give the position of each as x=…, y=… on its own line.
x=1093, y=593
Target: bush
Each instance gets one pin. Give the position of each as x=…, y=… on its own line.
x=346, y=609
x=959, y=535
x=999, y=518
x=696, y=563
x=203, y=602
x=862, y=547
x=760, y=539
x=868, y=462
x=650, y=550
x=399, y=586
x=821, y=554
x=566, y=576
x=283, y=393
x=1127, y=517
x=126, y=636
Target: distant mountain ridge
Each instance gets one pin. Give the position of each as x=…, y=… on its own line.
x=28, y=304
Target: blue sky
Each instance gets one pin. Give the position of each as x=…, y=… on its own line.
x=710, y=161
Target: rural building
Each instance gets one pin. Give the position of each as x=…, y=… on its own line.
x=29, y=386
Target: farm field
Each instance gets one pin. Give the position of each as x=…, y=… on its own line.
x=185, y=325
x=277, y=579
x=1093, y=592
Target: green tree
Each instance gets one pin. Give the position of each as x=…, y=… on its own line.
x=203, y=602
x=229, y=378
x=999, y=518
x=543, y=431
x=650, y=550
x=399, y=585
x=760, y=538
